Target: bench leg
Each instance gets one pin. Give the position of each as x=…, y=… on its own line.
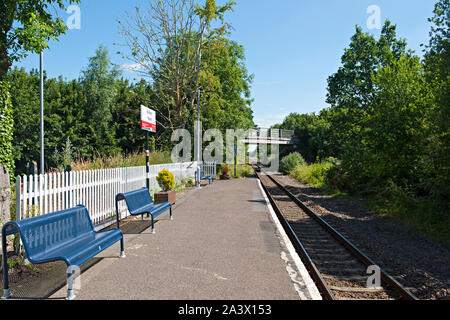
x=70, y=292
x=153, y=225
x=122, y=250
x=171, y=215
x=117, y=214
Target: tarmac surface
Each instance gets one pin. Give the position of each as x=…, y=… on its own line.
x=222, y=245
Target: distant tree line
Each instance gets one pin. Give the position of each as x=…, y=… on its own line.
x=388, y=120
x=99, y=113
x=176, y=51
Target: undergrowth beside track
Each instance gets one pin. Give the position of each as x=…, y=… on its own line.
x=421, y=215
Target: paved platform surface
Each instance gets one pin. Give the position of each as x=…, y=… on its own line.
x=222, y=245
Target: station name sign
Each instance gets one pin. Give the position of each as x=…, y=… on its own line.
x=148, y=119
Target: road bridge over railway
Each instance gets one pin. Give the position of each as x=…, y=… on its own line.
x=270, y=136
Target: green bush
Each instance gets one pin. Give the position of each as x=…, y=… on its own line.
x=243, y=171
x=314, y=175
x=166, y=180
x=6, y=129
x=290, y=162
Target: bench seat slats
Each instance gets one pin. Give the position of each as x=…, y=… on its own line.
x=80, y=249
x=154, y=209
x=67, y=235
x=203, y=177
x=139, y=203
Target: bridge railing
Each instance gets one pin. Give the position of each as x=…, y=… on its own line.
x=276, y=134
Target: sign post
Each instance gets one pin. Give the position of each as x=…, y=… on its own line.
x=148, y=123
x=235, y=160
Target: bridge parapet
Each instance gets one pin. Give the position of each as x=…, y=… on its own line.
x=270, y=136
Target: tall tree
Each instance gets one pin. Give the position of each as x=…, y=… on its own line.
x=98, y=83
x=351, y=90
x=437, y=66
x=224, y=72
x=166, y=42
x=25, y=26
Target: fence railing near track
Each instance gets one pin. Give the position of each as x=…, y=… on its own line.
x=95, y=189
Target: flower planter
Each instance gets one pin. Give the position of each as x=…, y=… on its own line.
x=169, y=196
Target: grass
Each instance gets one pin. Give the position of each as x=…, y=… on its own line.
x=313, y=174
x=121, y=161
x=242, y=171
x=418, y=214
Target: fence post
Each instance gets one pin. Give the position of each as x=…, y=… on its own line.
x=18, y=186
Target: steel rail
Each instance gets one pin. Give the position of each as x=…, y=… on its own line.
x=309, y=264
x=404, y=293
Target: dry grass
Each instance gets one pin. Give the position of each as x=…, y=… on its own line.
x=121, y=161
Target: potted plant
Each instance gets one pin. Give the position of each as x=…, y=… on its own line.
x=166, y=181
x=225, y=175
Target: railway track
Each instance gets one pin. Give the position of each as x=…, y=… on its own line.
x=340, y=270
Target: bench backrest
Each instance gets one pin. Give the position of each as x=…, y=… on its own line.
x=43, y=233
x=137, y=199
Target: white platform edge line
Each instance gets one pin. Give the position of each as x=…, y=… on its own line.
x=310, y=285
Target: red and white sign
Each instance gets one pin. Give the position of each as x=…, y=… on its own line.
x=148, y=119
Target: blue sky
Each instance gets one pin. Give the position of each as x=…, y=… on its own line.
x=291, y=46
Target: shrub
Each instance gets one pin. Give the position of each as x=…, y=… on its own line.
x=6, y=129
x=188, y=182
x=166, y=180
x=225, y=170
x=290, y=162
x=314, y=174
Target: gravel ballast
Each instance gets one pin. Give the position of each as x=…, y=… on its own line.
x=417, y=263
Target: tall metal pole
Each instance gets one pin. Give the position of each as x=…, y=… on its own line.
x=198, y=139
x=42, y=110
x=147, y=159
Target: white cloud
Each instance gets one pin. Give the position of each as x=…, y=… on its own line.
x=135, y=66
x=268, y=120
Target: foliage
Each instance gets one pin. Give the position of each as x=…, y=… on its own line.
x=6, y=129
x=120, y=160
x=99, y=113
x=182, y=48
x=243, y=171
x=166, y=180
x=98, y=83
x=166, y=40
x=313, y=174
x=63, y=158
x=312, y=132
x=225, y=170
x=290, y=162
x=224, y=72
x=388, y=124
x=27, y=26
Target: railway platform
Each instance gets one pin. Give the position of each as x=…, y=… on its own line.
x=223, y=244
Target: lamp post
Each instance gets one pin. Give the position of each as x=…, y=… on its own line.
x=42, y=109
x=199, y=134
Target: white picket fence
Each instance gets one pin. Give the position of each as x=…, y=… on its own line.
x=95, y=189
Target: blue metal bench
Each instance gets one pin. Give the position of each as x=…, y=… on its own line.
x=203, y=177
x=139, y=203
x=66, y=235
